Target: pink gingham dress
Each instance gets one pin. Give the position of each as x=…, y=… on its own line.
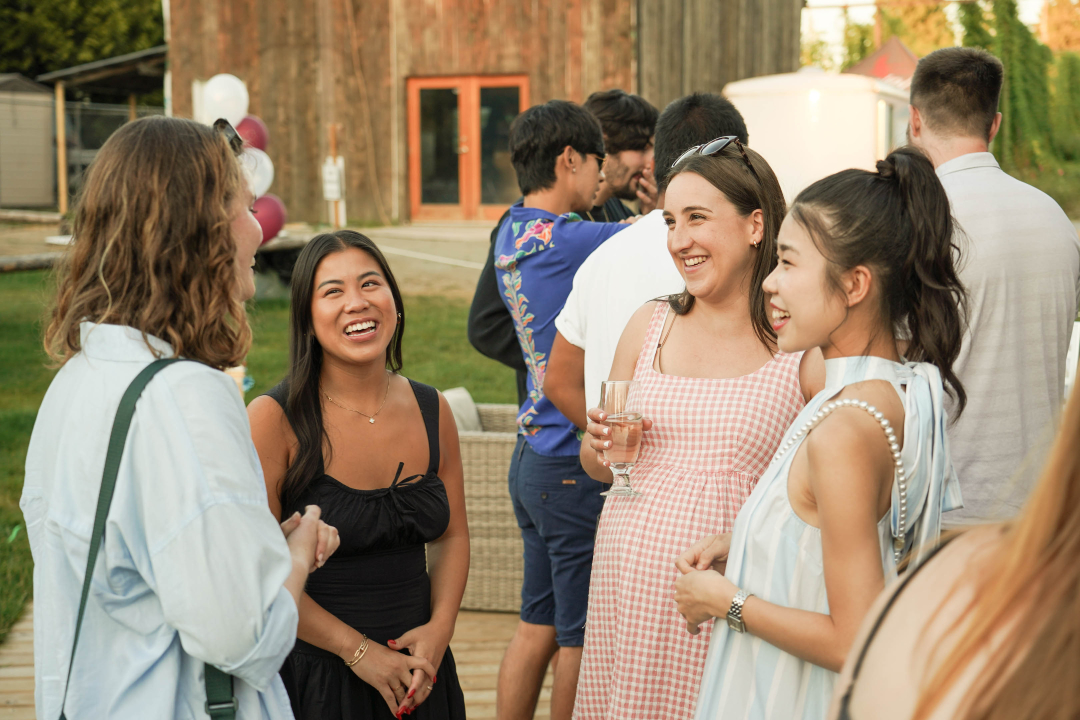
x=710, y=442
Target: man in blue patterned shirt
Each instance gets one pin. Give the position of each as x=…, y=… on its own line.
x=557, y=150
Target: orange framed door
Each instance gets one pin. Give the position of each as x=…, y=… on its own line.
x=458, y=135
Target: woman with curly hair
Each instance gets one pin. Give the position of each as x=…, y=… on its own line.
x=195, y=579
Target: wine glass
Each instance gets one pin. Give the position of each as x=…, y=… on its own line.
x=621, y=401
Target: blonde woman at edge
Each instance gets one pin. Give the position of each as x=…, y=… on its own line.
x=193, y=569
x=989, y=628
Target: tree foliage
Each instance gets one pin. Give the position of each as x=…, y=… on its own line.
x=1065, y=106
x=814, y=51
x=1061, y=25
x=975, y=30
x=1026, y=136
x=922, y=28
x=858, y=41
x=40, y=36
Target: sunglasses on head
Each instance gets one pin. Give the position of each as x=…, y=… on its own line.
x=715, y=147
x=224, y=127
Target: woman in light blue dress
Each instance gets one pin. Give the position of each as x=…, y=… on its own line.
x=863, y=475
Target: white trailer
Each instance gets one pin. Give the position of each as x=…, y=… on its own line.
x=809, y=124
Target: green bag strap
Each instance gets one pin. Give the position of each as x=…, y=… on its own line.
x=220, y=702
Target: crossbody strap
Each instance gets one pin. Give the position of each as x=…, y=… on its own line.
x=221, y=704
x=845, y=701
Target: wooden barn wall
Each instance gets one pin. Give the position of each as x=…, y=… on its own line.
x=700, y=45
x=296, y=59
x=309, y=62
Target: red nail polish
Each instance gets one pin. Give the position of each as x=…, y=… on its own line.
x=391, y=642
x=411, y=693
x=434, y=679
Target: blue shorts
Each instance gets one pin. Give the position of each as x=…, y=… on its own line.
x=557, y=507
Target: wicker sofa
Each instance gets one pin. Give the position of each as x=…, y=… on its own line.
x=495, y=573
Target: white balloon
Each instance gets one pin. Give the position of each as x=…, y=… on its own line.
x=225, y=96
x=260, y=170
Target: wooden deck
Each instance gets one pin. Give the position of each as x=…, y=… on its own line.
x=478, y=648
x=17, y=670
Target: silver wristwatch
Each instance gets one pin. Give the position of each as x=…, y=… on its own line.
x=734, y=613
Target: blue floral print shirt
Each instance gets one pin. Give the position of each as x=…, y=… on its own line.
x=536, y=256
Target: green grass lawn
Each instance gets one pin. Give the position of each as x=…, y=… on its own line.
x=435, y=351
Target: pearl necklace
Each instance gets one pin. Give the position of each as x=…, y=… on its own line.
x=898, y=473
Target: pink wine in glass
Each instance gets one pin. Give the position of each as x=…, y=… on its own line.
x=625, y=440
x=621, y=401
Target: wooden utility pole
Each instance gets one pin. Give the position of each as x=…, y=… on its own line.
x=61, y=150
x=131, y=108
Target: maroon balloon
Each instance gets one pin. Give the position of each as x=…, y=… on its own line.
x=254, y=132
x=270, y=212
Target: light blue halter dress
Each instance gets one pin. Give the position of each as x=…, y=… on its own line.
x=777, y=557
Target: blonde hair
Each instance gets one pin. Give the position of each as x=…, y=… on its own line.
x=1034, y=592
x=152, y=247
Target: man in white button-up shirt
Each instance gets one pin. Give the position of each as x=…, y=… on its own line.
x=1021, y=268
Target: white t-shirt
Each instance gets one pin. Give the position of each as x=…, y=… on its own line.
x=627, y=271
x=1021, y=268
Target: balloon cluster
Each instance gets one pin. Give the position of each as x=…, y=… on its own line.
x=226, y=96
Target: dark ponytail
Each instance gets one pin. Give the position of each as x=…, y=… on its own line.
x=897, y=222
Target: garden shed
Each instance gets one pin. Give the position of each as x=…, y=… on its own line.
x=27, y=172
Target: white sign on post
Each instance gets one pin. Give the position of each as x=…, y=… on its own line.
x=332, y=178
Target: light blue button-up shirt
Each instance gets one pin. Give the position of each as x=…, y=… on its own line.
x=193, y=563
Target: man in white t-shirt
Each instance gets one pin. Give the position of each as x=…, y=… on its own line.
x=630, y=269
x=1020, y=264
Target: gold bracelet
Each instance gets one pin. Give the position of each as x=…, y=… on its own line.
x=360, y=652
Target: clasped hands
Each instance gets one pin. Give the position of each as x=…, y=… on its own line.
x=311, y=541
x=702, y=592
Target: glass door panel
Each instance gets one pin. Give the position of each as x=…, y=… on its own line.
x=439, y=150
x=459, y=145
x=498, y=108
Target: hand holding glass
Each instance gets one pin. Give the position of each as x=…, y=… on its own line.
x=620, y=400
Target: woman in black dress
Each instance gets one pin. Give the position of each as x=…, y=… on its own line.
x=379, y=454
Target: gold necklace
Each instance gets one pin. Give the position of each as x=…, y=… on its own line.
x=371, y=418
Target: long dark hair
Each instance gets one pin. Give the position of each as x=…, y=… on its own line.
x=748, y=190
x=897, y=222
x=304, y=404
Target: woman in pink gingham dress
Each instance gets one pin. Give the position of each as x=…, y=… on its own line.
x=709, y=443
x=719, y=401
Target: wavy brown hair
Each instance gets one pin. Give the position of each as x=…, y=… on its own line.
x=152, y=248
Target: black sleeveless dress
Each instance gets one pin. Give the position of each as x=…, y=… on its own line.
x=376, y=582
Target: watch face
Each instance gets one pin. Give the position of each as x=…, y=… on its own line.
x=735, y=624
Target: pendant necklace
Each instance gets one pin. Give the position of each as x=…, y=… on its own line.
x=371, y=418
